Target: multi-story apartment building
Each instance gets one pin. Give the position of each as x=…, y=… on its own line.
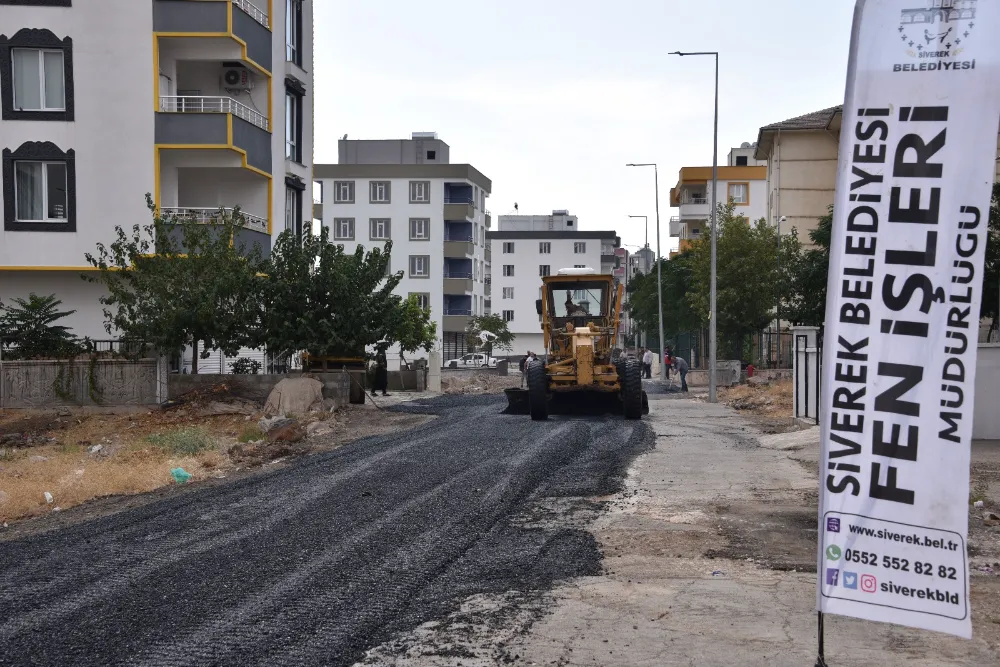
x=527, y=247
x=201, y=103
x=743, y=180
x=434, y=212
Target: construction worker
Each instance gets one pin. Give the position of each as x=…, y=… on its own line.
x=681, y=366
x=381, y=372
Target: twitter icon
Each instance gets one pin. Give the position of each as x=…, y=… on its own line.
x=851, y=580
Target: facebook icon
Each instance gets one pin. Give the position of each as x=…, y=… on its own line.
x=833, y=524
x=831, y=576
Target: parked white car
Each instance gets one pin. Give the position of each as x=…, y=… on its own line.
x=472, y=360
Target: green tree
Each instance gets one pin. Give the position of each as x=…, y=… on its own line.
x=495, y=324
x=29, y=330
x=807, y=275
x=414, y=329
x=991, y=267
x=748, y=277
x=323, y=301
x=643, y=305
x=176, y=282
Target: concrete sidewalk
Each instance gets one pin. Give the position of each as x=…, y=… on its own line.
x=710, y=560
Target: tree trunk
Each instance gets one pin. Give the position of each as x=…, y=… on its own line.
x=194, y=358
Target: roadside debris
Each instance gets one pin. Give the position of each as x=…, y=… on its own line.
x=180, y=475
x=294, y=396
x=48, y=497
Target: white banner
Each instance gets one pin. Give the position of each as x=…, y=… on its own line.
x=917, y=158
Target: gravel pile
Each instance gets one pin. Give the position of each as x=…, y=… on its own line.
x=320, y=561
x=479, y=383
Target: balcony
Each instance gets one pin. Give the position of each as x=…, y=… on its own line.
x=489, y=219
x=219, y=22
x=457, y=282
x=211, y=129
x=456, y=319
x=189, y=104
x=208, y=215
x=488, y=254
x=459, y=208
x=675, y=226
x=695, y=208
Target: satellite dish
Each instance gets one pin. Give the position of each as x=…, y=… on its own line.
x=345, y=136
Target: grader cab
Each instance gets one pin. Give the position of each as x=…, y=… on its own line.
x=580, y=312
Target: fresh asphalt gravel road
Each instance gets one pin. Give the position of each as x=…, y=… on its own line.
x=314, y=563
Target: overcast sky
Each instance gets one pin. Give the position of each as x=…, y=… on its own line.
x=550, y=98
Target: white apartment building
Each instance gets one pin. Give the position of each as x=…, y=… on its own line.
x=202, y=104
x=743, y=180
x=527, y=247
x=434, y=213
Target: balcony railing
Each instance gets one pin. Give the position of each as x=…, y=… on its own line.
x=255, y=13
x=694, y=200
x=458, y=237
x=458, y=311
x=465, y=275
x=209, y=215
x=201, y=104
x=459, y=200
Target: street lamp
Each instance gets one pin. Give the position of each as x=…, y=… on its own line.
x=659, y=260
x=712, y=332
x=646, y=219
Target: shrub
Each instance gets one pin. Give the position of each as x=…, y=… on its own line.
x=251, y=433
x=246, y=366
x=185, y=441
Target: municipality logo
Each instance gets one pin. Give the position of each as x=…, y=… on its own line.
x=938, y=29
x=833, y=552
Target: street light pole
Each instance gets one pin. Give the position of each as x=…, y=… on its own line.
x=712, y=330
x=646, y=220
x=659, y=261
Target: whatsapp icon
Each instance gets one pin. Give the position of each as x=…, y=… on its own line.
x=833, y=552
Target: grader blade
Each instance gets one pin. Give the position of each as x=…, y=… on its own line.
x=517, y=402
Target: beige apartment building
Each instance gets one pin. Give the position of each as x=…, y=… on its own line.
x=801, y=155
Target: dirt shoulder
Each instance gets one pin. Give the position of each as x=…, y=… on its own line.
x=710, y=559
x=92, y=463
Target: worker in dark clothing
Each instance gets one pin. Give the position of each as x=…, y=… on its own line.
x=681, y=366
x=381, y=372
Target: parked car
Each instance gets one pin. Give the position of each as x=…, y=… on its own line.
x=472, y=360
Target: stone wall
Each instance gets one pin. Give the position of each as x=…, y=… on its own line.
x=110, y=382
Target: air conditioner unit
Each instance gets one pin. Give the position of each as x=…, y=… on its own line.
x=236, y=78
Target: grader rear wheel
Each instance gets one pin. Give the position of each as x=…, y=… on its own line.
x=632, y=389
x=538, y=399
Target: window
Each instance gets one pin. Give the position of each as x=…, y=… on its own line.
x=544, y=270
x=423, y=299
x=508, y=316
x=293, y=211
x=508, y=292
x=38, y=80
x=431, y=155
x=36, y=76
x=40, y=191
x=420, y=229
x=420, y=192
x=544, y=248
x=343, y=192
x=579, y=247
x=378, y=229
x=39, y=188
x=343, y=229
x=508, y=247
x=741, y=160
x=378, y=192
x=420, y=266
x=739, y=193
x=293, y=126
x=508, y=270
x=293, y=31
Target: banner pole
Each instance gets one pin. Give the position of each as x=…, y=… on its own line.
x=820, y=658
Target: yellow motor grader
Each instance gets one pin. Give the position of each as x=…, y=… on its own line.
x=580, y=313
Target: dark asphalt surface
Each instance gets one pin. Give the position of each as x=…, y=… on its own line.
x=315, y=563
